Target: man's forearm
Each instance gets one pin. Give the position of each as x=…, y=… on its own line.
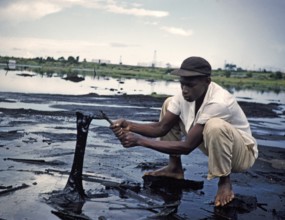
x=155, y=129
x=148, y=129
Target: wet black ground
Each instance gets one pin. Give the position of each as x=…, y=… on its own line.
x=46, y=134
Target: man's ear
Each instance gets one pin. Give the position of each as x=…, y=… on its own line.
x=208, y=80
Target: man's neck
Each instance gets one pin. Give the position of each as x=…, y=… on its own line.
x=199, y=101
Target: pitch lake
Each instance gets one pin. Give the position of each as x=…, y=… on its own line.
x=31, y=82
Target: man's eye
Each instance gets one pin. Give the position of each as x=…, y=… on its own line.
x=188, y=85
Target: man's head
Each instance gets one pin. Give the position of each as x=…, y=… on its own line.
x=195, y=78
x=194, y=66
x=195, y=87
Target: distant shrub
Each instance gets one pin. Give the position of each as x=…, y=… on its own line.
x=249, y=74
x=277, y=75
x=227, y=74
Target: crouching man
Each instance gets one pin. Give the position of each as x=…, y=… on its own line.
x=201, y=115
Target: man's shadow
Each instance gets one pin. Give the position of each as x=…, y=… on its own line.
x=170, y=190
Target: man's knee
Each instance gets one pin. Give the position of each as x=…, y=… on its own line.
x=214, y=126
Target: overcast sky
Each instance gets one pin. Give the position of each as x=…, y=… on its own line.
x=248, y=33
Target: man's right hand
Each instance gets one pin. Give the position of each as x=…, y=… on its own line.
x=122, y=123
x=120, y=127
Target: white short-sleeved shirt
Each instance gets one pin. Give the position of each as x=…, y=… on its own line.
x=218, y=103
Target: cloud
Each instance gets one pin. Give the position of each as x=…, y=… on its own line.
x=135, y=11
x=21, y=10
x=177, y=31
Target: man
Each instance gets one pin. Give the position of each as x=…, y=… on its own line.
x=211, y=120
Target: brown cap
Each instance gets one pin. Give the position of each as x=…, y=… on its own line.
x=194, y=66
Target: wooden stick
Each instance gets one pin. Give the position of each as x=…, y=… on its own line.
x=104, y=116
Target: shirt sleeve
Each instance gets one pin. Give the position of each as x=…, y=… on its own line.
x=213, y=110
x=174, y=105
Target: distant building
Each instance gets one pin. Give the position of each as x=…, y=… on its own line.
x=11, y=65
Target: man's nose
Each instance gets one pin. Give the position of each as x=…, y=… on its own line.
x=184, y=88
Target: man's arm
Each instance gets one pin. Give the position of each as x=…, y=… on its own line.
x=193, y=139
x=156, y=129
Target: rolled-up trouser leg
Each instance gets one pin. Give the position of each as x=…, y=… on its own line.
x=225, y=148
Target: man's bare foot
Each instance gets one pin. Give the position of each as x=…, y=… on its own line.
x=167, y=171
x=173, y=169
x=225, y=193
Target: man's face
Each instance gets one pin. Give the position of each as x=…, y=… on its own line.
x=194, y=87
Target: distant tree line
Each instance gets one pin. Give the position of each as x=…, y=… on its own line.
x=230, y=70
x=70, y=59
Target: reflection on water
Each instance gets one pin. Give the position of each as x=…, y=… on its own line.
x=14, y=81
x=268, y=131
x=259, y=96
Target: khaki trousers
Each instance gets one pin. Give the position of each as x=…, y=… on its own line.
x=222, y=143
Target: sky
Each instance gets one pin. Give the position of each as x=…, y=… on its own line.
x=247, y=33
